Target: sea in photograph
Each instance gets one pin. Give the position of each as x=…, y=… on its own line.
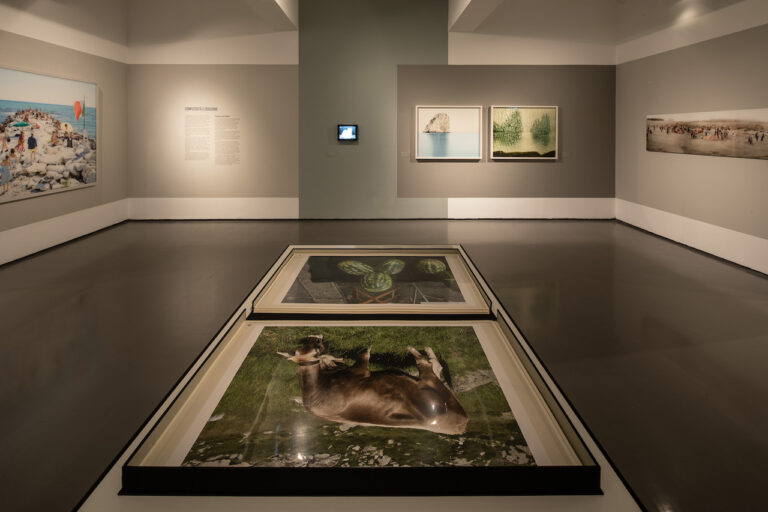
x=449, y=145
x=63, y=113
x=60, y=160
x=263, y=418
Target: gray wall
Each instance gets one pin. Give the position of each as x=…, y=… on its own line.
x=727, y=73
x=265, y=97
x=348, y=56
x=27, y=54
x=585, y=95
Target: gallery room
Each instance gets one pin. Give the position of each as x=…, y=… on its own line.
x=437, y=255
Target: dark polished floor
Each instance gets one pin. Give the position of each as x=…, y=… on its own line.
x=662, y=350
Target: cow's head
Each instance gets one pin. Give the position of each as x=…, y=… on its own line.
x=309, y=352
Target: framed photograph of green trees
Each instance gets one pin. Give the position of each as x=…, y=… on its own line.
x=528, y=132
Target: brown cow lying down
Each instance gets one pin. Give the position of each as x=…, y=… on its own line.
x=334, y=391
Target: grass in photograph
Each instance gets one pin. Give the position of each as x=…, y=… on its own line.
x=260, y=420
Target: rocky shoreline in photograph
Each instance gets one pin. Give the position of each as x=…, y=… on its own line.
x=62, y=158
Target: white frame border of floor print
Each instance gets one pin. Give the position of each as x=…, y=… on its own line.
x=616, y=496
x=272, y=298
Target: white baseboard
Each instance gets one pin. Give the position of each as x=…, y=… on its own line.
x=741, y=248
x=143, y=208
x=748, y=250
x=25, y=240
x=530, y=208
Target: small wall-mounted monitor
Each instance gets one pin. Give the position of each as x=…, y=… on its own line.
x=346, y=132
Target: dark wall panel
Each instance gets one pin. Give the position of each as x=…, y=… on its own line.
x=585, y=95
x=349, y=51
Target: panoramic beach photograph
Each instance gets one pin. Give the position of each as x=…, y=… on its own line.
x=48, y=128
x=730, y=133
x=524, y=132
x=451, y=133
x=362, y=396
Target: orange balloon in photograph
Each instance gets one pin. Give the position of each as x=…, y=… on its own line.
x=78, y=110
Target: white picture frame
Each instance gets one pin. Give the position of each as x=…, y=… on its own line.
x=457, y=134
x=282, y=293
x=62, y=115
x=724, y=133
x=526, y=145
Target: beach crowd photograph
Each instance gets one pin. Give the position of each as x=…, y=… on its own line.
x=48, y=133
x=738, y=133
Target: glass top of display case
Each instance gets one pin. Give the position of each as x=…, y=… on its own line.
x=366, y=280
x=382, y=401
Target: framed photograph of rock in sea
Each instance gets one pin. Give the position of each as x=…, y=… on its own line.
x=449, y=132
x=364, y=280
x=48, y=127
x=732, y=133
x=524, y=132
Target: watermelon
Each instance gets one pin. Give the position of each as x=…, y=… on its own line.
x=355, y=268
x=446, y=274
x=431, y=266
x=392, y=267
x=376, y=282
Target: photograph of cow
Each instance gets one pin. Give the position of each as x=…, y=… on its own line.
x=363, y=396
x=354, y=395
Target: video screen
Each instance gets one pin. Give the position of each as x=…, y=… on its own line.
x=346, y=132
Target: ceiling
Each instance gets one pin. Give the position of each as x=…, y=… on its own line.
x=161, y=21
x=142, y=22
x=592, y=21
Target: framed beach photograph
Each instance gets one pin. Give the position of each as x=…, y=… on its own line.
x=731, y=133
x=524, y=132
x=448, y=133
x=368, y=407
x=48, y=128
x=361, y=280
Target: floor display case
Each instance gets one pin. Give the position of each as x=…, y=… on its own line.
x=365, y=371
x=364, y=281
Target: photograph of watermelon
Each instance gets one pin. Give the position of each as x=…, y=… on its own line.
x=374, y=280
x=362, y=396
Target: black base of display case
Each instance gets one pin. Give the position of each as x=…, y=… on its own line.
x=335, y=481
x=319, y=317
